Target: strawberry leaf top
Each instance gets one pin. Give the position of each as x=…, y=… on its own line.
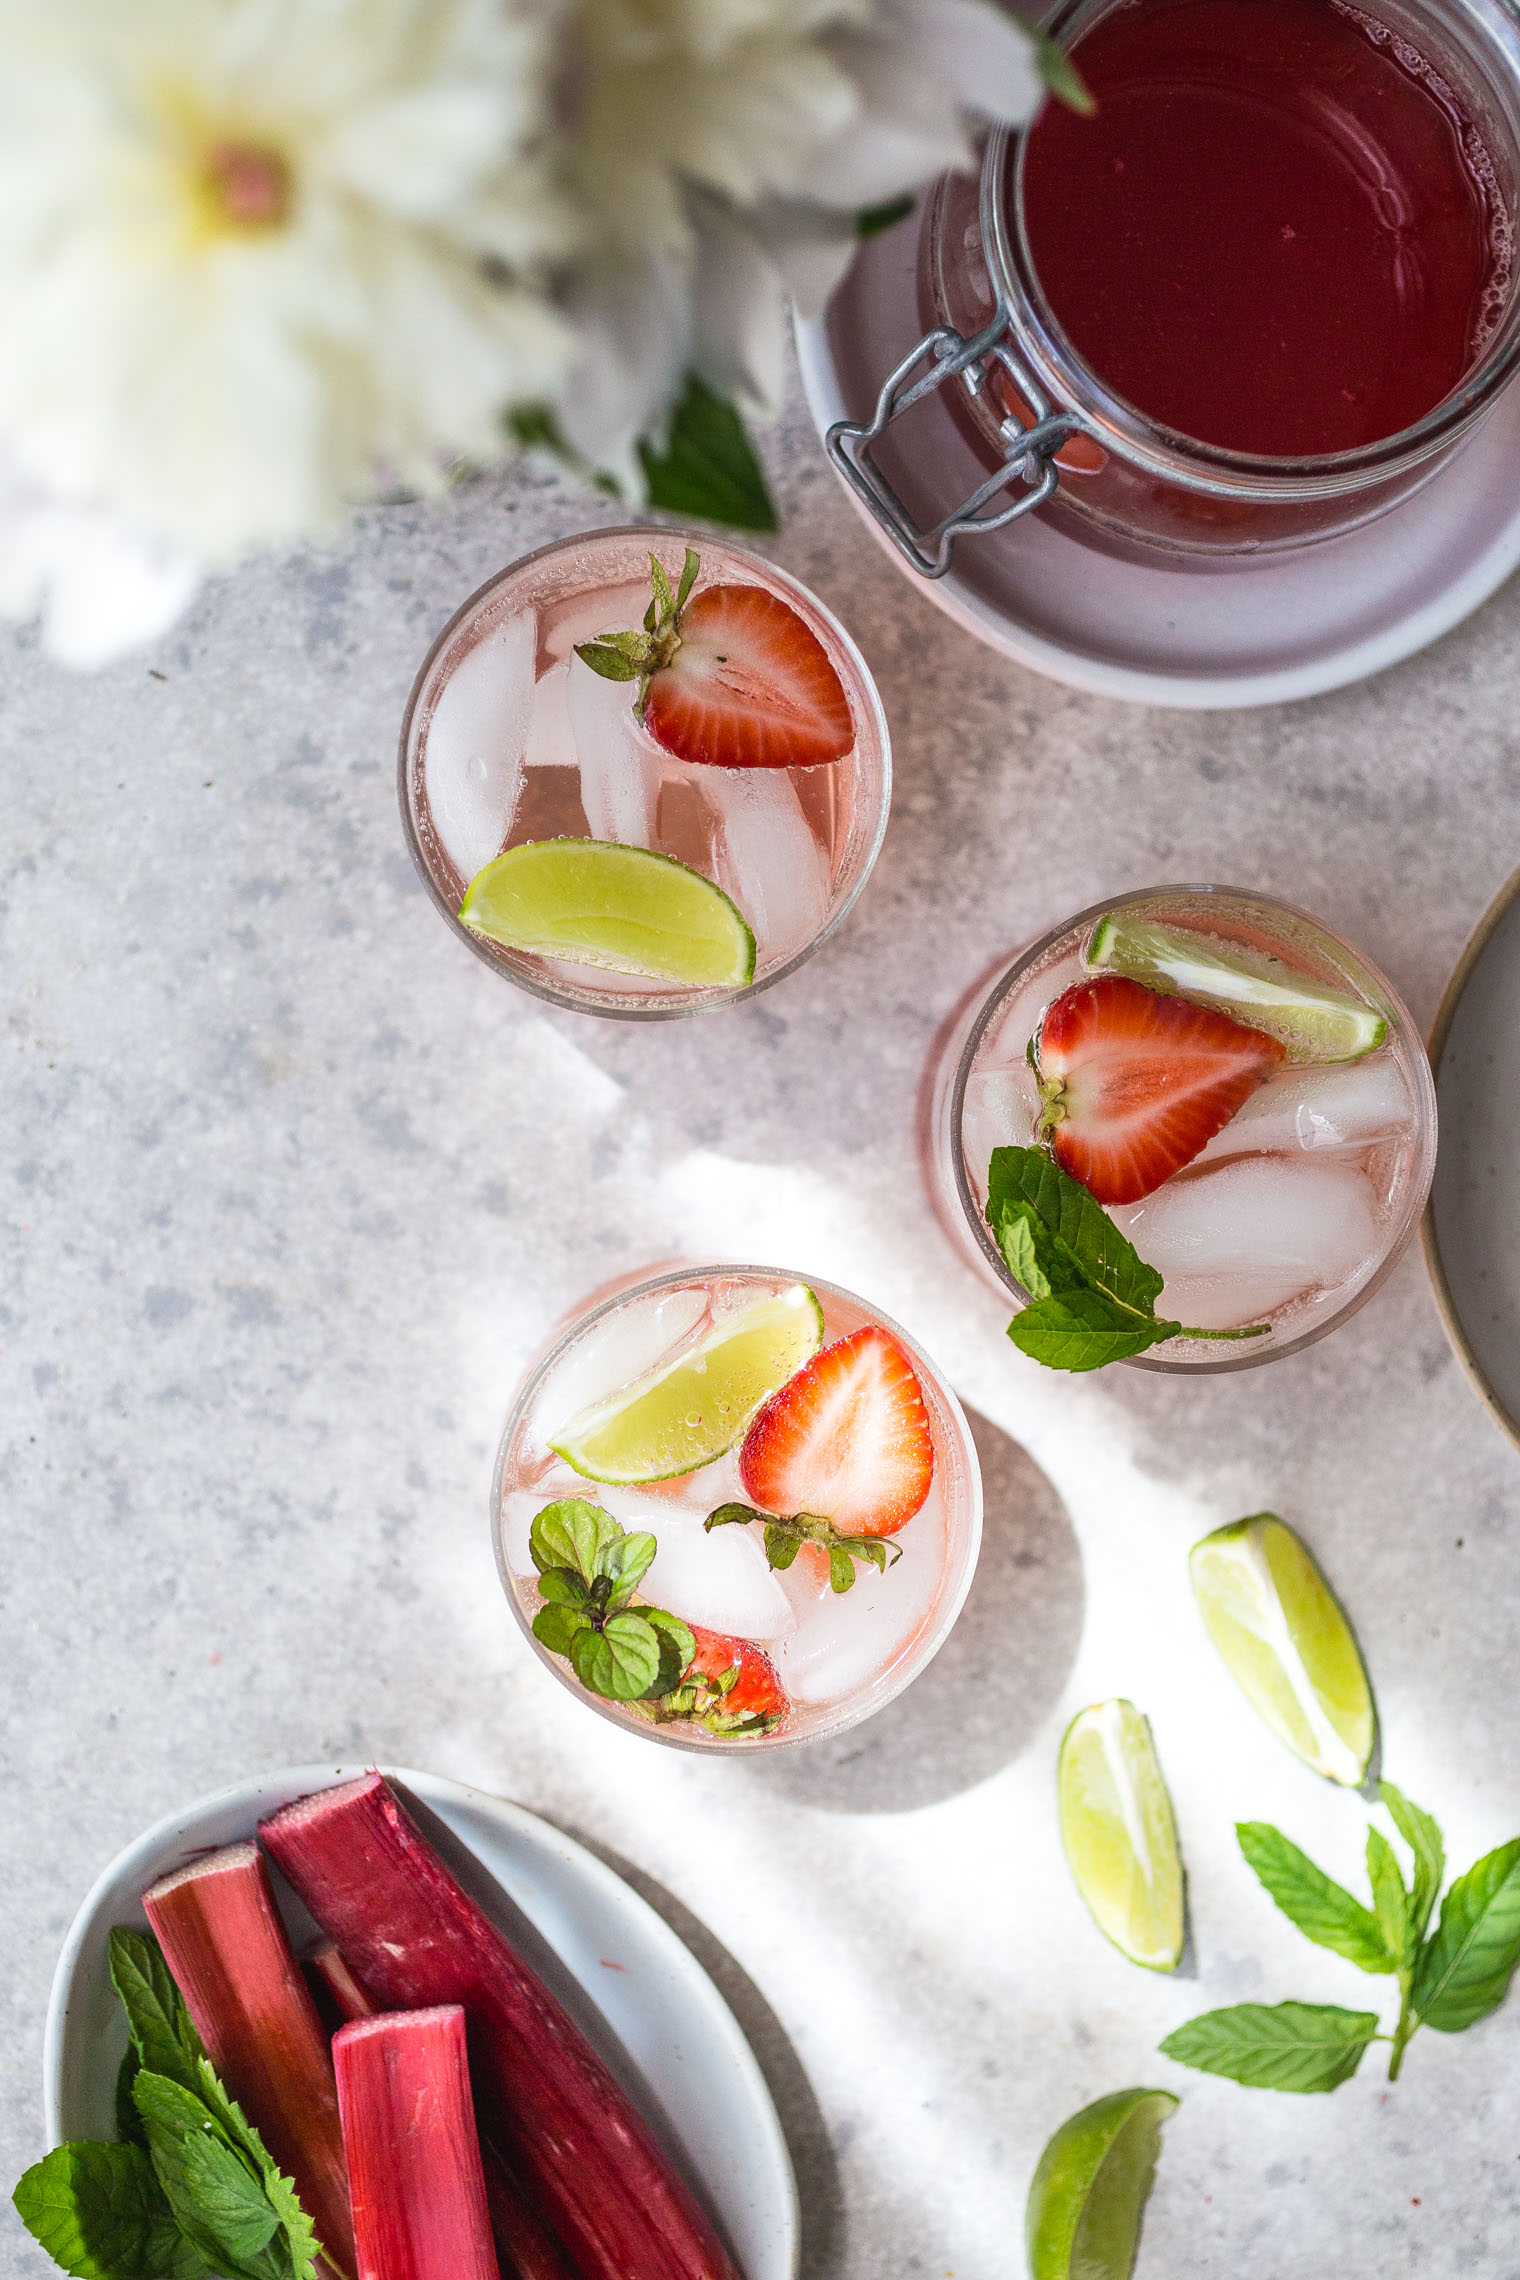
x=786, y=1533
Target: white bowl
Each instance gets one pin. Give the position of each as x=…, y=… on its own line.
x=645, y=1998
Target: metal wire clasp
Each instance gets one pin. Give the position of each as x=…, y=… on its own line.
x=1029, y=458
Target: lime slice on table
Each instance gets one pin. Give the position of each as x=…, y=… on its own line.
x=1082, y=2219
x=699, y=1405
x=1314, y=1022
x=600, y=904
x=1281, y=1631
x=1119, y=1834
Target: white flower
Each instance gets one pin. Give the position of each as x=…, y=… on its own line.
x=244, y=252
x=721, y=149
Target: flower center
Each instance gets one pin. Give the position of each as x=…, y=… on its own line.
x=247, y=186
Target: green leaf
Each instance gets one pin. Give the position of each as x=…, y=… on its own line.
x=1422, y=1833
x=781, y=1544
x=731, y=1516
x=1061, y=75
x=1081, y=1235
x=101, y=2214
x=301, y=2241
x=1389, y=1899
x=606, y=658
x=665, y=601
x=621, y=1661
x=569, y=1534
x=1017, y=1242
x=1465, y=1969
x=625, y=1561
x=689, y=569
x=162, y=2031
x=1323, y=1910
x=128, y=2120
x=841, y=1568
x=558, y=1627
x=677, y=1647
x=872, y=219
x=562, y=1587
x=1082, y=1330
x=1279, y=2046
x=218, y=2202
x=708, y=466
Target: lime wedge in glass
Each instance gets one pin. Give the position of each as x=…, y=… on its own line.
x=1314, y=1022
x=1119, y=1834
x=1082, y=2219
x=698, y=1405
x=1280, y=1629
x=599, y=904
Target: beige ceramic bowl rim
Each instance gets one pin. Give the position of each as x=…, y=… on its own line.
x=555, y=993
x=1446, y=1305
x=946, y=1617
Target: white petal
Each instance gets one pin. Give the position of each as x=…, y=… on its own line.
x=739, y=310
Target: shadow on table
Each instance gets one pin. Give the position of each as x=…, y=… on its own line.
x=806, y=2131
x=992, y=1684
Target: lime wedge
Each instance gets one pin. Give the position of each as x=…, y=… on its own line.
x=1119, y=1834
x=599, y=904
x=1315, y=1023
x=1082, y=2219
x=697, y=1406
x=1278, y=1626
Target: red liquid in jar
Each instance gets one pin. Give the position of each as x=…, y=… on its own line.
x=1280, y=233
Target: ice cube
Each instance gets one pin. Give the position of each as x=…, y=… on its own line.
x=473, y=761
x=619, y=765
x=720, y=1581
x=623, y=1346
x=551, y=740
x=1241, y=1241
x=1336, y=1108
x=768, y=857
x=845, y=1638
x=1000, y=1111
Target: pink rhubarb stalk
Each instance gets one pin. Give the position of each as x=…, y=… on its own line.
x=413, y=2156
x=413, y=1938
x=223, y=1940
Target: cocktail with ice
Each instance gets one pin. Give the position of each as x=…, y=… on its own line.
x=1191, y=1125
x=736, y=1510
x=644, y=778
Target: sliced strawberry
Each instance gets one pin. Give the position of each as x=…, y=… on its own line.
x=751, y=686
x=1135, y=1084
x=755, y=1693
x=846, y=1439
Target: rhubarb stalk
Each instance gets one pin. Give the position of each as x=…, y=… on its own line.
x=413, y=1938
x=413, y=2156
x=222, y=1937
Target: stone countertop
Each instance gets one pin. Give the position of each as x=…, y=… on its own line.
x=297, y=1185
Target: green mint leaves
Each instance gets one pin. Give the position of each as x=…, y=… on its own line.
x=707, y=465
x=195, y=2192
x=1092, y=1296
x=589, y=1568
x=785, y=1535
x=1447, y=1979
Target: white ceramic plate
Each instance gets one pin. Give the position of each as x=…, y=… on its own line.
x=645, y=1989
x=1287, y=626
x=1472, y=1224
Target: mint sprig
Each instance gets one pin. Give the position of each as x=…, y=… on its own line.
x=786, y=1533
x=1447, y=1979
x=196, y=2192
x=589, y=1567
x=1092, y=1298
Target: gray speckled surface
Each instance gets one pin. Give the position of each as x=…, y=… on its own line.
x=296, y=1185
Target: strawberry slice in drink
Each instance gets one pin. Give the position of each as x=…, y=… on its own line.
x=731, y=677
x=735, y=1683
x=846, y=1439
x=1136, y=1084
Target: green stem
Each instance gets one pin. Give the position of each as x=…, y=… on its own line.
x=1404, y=2029
x=1257, y=1330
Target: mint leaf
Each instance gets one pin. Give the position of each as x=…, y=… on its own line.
x=1389, y=1900
x=128, y=2120
x=1465, y=1969
x=569, y=1534
x=217, y=2200
x=301, y=2241
x=162, y=2031
x=558, y=1627
x=1082, y=1248
x=100, y=2213
x=677, y=1649
x=708, y=466
x=1323, y=1910
x=562, y=1587
x=1083, y=1330
x=621, y=1661
x=1280, y=2046
x=1421, y=1832
x=624, y=1562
